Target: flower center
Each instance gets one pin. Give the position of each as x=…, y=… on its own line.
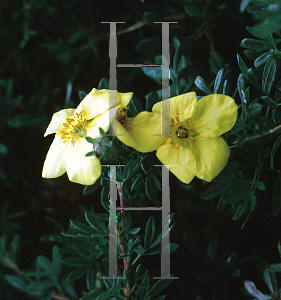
x=74, y=128
x=182, y=133
x=183, y=130
x=122, y=117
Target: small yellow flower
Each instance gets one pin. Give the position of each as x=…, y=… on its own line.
x=194, y=147
x=71, y=126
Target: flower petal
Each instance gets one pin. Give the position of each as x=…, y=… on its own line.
x=80, y=168
x=214, y=115
x=180, y=159
x=103, y=121
x=125, y=98
x=97, y=102
x=143, y=132
x=58, y=119
x=180, y=105
x=54, y=165
x=211, y=155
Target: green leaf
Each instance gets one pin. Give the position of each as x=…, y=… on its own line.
x=89, y=189
x=90, y=140
x=77, y=273
x=75, y=261
x=276, y=196
x=218, y=81
x=273, y=151
x=212, y=192
x=268, y=75
x=16, y=281
x=149, y=232
x=56, y=258
x=275, y=267
x=260, y=185
x=103, y=84
x=255, y=44
x=151, y=99
x=82, y=95
x=159, y=286
x=81, y=227
x=254, y=110
x=262, y=59
x=156, y=180
x=237, y=198
x=202, y=85
x=45, y=263
x=105, y=197
x=91, y=153
x=95, y=222
x=242, y=209
x=135, y=106
x=263, y=2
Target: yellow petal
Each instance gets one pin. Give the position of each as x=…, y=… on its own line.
x=125, y=98
x=124, y=136
x=80, y=168
x=211, y=155
x=179, y=105
x=214, y=115
x=181, y=160
x=97, y=102
x=145, y=130
x=58, y=119
x=54, y=165
x=103, y=121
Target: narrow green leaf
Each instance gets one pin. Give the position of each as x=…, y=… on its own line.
x=77, y=273
x=242, y=65
x=273, y=151
x=56, y=258
x=105, y=197
x=149, y=232
x=135, y=106
x=16, y=281
x=75, y=261
x=237, y=198
x=156, y=180
x=260, y=185
x=82, y=95
x=275, y=267
x=91, y=153
x=255, y=44
x=103, y=84
x=90, y=140
x=45, y=263
x=95, y=222
x=262, y=59
x=159, y=286
x=202, y=85
x=89, y=189
x=242, y=209
x=218, y=81
x=268, y=75
x=82, y=227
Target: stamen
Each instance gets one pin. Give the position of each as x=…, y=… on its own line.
x=74, y=128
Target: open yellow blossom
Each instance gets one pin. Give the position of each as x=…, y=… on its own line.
x=71, y=126
x=194, y=147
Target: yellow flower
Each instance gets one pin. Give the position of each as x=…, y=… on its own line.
x=71, y=126
x=194, y=147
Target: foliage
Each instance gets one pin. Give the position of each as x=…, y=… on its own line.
x=54, y=235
